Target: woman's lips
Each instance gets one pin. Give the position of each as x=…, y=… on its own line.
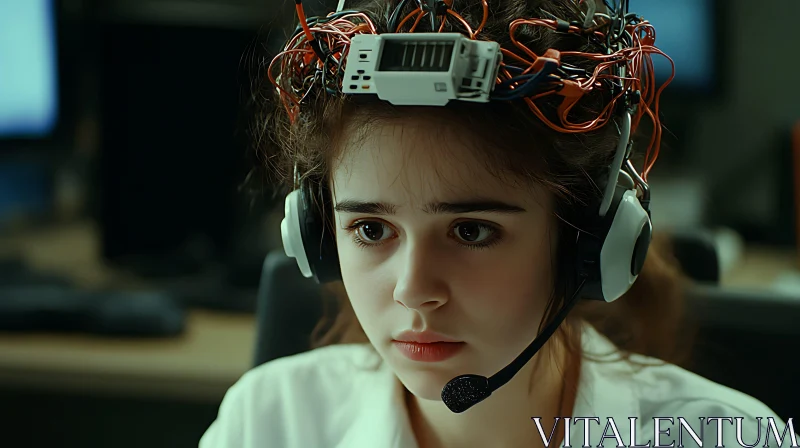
x=428, y=352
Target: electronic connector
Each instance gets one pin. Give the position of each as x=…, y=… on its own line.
x=427, y=69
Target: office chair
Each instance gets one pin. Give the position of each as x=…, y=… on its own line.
x=696, y=252
x=287, y=309
x=747, y=339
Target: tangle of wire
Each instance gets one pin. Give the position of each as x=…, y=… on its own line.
x=315, y=56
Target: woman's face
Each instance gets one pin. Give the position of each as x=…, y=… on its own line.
x=433, y=244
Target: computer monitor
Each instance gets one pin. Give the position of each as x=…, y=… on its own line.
x=29, y=76
x=686, y=31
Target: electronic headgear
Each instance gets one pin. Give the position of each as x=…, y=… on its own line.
x=406, y=68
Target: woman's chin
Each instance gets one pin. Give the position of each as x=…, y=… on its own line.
x=425, y=381
x=425, y=385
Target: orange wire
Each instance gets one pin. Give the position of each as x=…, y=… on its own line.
x=407, y=18
x=420, y=16
x=485, y=19
x=301, y=15
x=461, y=19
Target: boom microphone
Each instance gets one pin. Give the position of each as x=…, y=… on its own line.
x=465, y=391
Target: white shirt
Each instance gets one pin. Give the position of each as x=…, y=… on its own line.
x=343, y=396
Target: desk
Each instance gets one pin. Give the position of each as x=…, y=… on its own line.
x=201, y=364
x=760, y=267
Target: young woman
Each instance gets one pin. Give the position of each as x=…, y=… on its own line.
x=457, y=230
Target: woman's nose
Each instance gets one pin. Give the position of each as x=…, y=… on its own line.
x=420, y=282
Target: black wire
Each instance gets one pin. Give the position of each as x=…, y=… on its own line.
x=507, y=83
x=339, y=70
x=513, y=68
x=324, y=82
x=393, y=19
x=533, y=84
x=430, y=7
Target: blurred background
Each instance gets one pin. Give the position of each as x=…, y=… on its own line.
x=135, y=286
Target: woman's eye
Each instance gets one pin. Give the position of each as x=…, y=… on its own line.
x=473, y=232
x=373, y=232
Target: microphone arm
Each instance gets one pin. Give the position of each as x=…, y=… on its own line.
x=465, y=391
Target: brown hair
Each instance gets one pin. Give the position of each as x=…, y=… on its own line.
x=647, y=320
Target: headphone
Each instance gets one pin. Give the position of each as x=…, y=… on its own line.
x=610, y=249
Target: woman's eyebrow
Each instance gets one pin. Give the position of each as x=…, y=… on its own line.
x=472, y=207
x=367, y=208
x=453, y=208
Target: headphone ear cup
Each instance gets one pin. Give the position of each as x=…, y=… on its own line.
x=292, y=232
x=625, y=245
x=318, y=235
x=308, y=238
